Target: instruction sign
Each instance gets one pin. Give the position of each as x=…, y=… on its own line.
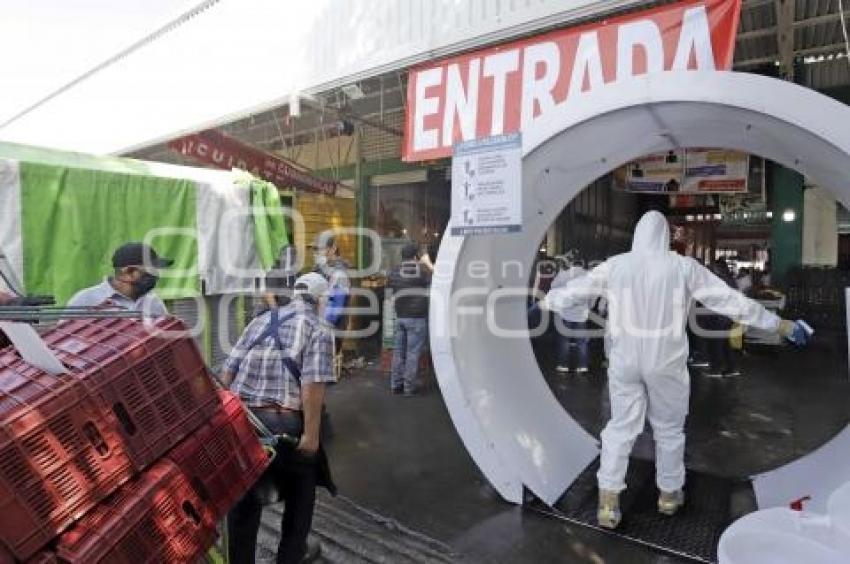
x=486, y=186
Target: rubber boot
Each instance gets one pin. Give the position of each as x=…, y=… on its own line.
x=670, y=502
x=608, y=515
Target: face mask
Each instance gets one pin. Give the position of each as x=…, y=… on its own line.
x=144, y=284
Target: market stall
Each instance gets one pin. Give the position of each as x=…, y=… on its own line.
x=63, y=214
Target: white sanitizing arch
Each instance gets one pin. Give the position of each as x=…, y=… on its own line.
x=509, y=420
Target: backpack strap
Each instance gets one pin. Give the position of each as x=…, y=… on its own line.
x=273, y=330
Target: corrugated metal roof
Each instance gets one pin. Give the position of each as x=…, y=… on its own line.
x=827, y=74
x=757, y=32
x=817, y=31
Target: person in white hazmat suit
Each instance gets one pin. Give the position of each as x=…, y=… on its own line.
x=649, y=291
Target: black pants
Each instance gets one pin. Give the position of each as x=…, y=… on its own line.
x=296, y=476
x=720, y=350
x=696, y=345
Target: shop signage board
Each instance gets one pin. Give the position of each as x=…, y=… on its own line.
x=715, y=171
x=486, y=186
x=214, y=148
x=658, y=172
x=502, y=89
x=690, y=171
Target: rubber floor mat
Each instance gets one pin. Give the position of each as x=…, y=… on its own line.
x=692, y=533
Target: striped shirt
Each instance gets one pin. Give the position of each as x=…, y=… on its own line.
x=260, y=377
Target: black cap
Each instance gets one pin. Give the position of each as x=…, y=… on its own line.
x=138, y=254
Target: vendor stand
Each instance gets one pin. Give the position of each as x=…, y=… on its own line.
x=63, y=214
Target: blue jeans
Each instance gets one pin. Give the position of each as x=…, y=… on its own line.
x=569, y=339
x=411, y=333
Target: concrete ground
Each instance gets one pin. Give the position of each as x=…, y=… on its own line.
x=401, y=458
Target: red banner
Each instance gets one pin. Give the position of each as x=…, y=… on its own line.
x=219, y=150
x=502, y=89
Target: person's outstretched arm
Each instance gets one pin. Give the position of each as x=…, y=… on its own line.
x=716, y=295
x=578, y=290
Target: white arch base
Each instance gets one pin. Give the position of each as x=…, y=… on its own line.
x=512, y=425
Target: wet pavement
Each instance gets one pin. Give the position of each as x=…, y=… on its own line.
x=786, y=403
x=350, y=534
x=401, y=458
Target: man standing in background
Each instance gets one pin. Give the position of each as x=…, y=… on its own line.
x=574, y=318
x=409, y=282
x=334, y=269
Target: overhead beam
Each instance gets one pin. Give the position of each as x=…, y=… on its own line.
x=755, y=33
x=821, y=50
x=785, y=10
x=799, y=24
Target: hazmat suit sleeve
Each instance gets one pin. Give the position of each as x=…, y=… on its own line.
x=717, y=296
x=578, y=291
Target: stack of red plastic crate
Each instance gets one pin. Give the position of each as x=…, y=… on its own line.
x=131, y=456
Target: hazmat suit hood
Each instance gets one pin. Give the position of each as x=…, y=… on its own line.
x=652, y=234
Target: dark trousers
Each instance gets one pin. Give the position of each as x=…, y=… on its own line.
x=720, y=353
x=295, y=475
x=696, y=345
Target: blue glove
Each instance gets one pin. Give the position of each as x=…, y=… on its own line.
x=800, y=333
x=336, y=305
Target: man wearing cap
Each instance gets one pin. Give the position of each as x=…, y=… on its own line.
x=136, y=273
x=279, y=368
x=334, y=269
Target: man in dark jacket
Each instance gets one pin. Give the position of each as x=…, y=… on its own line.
x=409, y=283
x=722, y=357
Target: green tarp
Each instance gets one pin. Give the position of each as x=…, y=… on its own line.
x=73, y=219
x=269, y=227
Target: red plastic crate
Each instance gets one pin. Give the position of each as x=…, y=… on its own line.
x=155, y=518
x=60, y=454
x=6, y=556
x=156, y=385
x=43, y=558
x=224, y=458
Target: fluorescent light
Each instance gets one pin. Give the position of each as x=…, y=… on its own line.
x=789, y=215
x=689, y=218
x=718, y=216
x=769, y=214
x=295, y=105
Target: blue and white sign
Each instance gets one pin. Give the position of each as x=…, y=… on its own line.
x=486, y=184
